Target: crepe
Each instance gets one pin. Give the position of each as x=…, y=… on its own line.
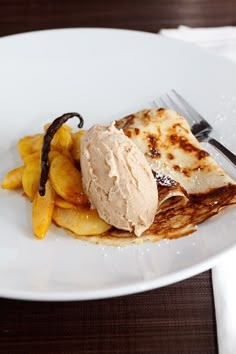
x=191, y=186
x=165, y=138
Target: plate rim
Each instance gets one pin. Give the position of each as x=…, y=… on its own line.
x=125, y=290
x=138, y=286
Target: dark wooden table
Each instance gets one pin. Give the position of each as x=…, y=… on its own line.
x=177, y=319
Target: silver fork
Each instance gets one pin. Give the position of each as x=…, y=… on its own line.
x=199, y=126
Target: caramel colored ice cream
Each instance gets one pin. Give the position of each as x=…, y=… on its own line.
x=117, y=179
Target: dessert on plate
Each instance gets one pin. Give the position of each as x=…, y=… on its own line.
x=143, y=177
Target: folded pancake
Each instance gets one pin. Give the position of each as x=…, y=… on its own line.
x=192, y=187
x=171, y=194
x=168, y=144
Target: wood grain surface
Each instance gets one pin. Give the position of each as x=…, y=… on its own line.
x=149, y=15
x=177, y=319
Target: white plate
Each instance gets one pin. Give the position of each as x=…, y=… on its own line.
x=103, y=74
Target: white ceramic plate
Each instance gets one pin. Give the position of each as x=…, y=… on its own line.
x=104, y=75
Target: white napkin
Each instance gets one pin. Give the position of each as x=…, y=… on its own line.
x=221, y=40
x=224, y=286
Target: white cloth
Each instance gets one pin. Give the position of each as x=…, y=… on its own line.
x=224, y=286
x=221, y=40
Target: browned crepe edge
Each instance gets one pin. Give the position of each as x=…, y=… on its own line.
x=171, y=224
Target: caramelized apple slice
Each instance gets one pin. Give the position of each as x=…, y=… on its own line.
x=13, y=179
x=66, y=180
x=62, y=203
x=76, y=138
x=30, y=144
x=42, y=209
x=30, y=177
x=80, y=221
x=62, y=139
x=34, y=156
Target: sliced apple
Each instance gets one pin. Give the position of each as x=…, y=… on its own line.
x=80, y=221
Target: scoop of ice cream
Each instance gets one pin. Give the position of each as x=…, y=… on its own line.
x=117, y=179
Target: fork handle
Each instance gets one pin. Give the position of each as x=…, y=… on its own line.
x=221, y=148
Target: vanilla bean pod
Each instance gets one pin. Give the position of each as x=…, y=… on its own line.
x=51, y=131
